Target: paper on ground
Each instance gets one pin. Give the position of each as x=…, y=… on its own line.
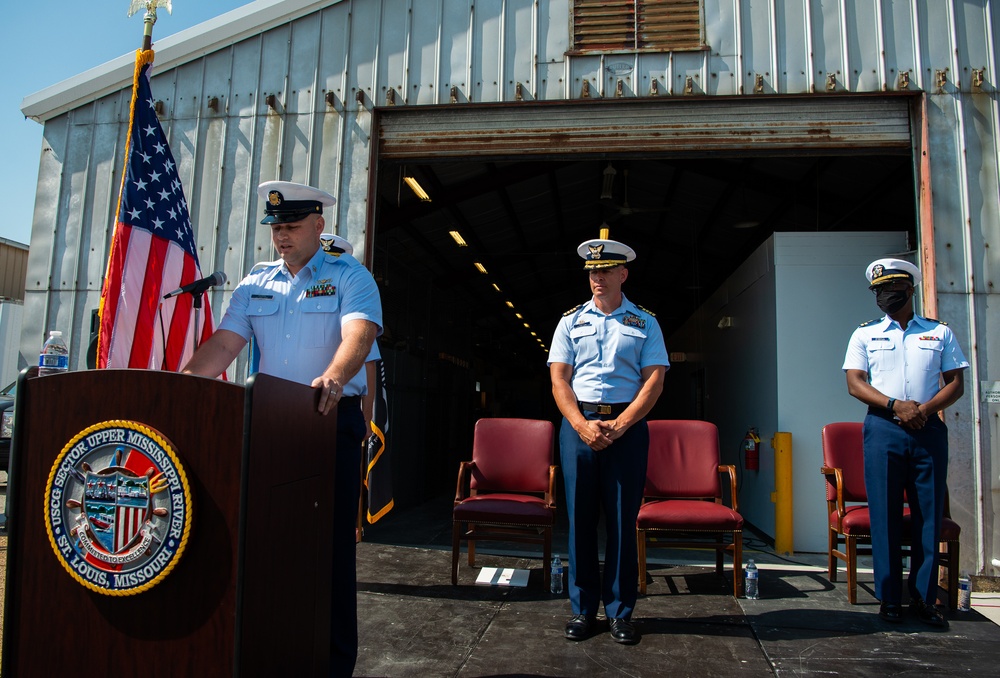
x=507, y=576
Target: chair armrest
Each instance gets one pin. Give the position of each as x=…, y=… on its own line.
x=550, y=496
x=731, y=470
x=838, y=482
x=464, y=471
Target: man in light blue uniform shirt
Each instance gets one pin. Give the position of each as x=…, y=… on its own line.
x=313, y=316
x=907, y=369
x=607, y=363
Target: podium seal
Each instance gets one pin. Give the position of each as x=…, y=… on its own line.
x=118, y=508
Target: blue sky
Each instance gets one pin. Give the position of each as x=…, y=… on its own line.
x=47, y=43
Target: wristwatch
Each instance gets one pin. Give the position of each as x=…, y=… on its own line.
x=892, y=401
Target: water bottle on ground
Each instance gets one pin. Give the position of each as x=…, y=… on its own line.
x=964, y=593
x=556, y=575
x=752, y=592
x=54, y=358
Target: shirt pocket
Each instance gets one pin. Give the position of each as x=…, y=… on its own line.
x=882, y=355
x=630, y=341
x=263, y=315
x=320, y=322
x=578, y=332
x=929, y=355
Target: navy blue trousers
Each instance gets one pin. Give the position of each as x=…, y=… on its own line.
x=347, y=491
x=898, y=459
x=611, y=481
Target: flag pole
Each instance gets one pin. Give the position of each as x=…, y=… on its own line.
x=149, y=19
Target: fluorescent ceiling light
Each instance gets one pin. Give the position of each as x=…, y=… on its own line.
x=417, y=188
x=457, y=237
x=479, y=267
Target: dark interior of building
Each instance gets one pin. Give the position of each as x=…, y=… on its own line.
x=462, y=342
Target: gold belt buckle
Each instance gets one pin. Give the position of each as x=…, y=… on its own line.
x=604, y=409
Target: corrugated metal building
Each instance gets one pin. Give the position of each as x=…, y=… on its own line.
x=696, y=128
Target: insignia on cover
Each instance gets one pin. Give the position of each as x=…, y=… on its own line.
x=275, y=198
x=118, y=508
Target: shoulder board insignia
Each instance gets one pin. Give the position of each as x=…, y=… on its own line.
x=570, y=311
x=935, y=320
x=869, y=322
x=645, y=310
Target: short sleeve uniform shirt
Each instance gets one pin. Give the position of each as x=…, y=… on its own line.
x=296, y=321
x=608, y=352
x=905, y=364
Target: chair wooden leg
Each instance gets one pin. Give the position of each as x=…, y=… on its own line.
x=456, y=539
x=831, y=558
x=852, y=569
x=472, y=546
x=953, y=575
x=737, y=564
x=718, y=555
x=640, y=537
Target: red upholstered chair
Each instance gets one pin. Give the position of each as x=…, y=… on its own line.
x=847, y=505
x=507, y=491
x=682, y=506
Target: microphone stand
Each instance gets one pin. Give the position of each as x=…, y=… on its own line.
x=196, y=304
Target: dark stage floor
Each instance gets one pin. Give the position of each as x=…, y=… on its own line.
x=413, y=622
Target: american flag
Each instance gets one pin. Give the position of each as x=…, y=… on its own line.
x=378, y=471
x=152, y=252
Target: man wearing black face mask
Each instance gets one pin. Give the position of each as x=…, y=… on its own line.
x=906, y=368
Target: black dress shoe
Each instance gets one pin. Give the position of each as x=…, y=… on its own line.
x=580, y=627
x=623, y=632
x=928, y=614
x=890, y=612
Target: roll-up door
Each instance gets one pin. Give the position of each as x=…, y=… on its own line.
x=771, y=125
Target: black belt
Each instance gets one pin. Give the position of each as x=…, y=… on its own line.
x=882, y=413
x=613, y=409
x=349, y=401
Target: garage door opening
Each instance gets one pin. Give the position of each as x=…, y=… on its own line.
x=475, y=279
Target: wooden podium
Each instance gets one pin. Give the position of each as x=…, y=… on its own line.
x=250, y=593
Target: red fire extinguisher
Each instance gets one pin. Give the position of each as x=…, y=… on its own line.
x=751, y=450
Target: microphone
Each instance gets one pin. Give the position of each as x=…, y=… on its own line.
x=199, y=286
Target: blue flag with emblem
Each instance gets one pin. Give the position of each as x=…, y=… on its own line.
x=378, y=471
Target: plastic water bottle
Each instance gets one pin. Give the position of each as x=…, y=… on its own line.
x=54, y=358
x=753, y=593
x=555, y=575
x=964, y=593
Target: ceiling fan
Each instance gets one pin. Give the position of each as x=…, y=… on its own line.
x=623, y=209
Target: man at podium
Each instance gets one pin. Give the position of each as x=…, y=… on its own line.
x=313, y=316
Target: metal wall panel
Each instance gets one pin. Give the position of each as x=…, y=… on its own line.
x=13, y=269
x=487, y=61
x=483, y=49
x=898, y=31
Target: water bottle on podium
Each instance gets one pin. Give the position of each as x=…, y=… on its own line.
x=54, y=358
